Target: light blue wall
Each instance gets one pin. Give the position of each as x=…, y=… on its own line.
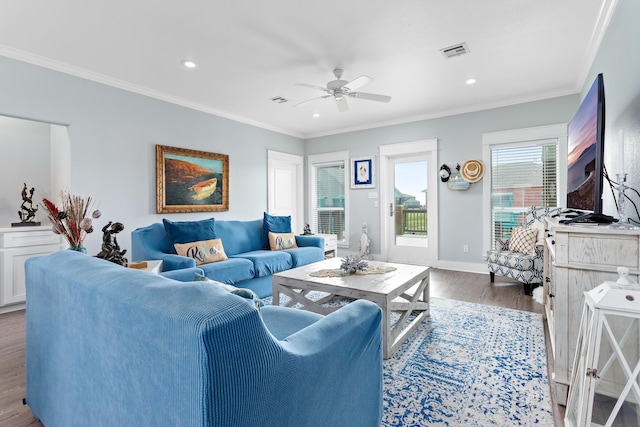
x=618, y=59
x=24, y=150
x=459, y=138
x=113, y=134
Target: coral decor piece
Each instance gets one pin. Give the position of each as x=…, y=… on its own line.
x=71, y=220
x=353, y=264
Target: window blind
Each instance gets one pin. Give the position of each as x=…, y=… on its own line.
x=521, y=176
x=328, y=199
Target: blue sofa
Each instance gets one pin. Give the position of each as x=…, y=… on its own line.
x=111, y=346
x=250, y=264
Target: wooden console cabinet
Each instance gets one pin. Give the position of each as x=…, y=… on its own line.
x=17, y=244
x=577, y=259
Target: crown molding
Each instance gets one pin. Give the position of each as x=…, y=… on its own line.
x=602, y=23
x=448, y=113
x=82, y=73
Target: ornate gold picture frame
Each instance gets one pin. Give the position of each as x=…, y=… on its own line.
x=191, y=181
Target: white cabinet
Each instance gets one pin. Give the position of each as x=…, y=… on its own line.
x=330, y=245
x=17, y=244
x=577, y=259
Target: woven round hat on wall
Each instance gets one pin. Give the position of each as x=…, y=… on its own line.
x=472, y=170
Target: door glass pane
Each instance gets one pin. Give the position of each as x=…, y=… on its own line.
x=410, y=204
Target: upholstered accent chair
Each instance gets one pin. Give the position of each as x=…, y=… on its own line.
x=522, y=260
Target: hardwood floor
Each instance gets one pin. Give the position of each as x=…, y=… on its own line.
x=12, y=374
x=470, y=287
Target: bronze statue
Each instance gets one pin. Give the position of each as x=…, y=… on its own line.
x=110, y=248
x=27, y=212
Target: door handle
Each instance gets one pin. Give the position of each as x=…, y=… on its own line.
x=390, y=209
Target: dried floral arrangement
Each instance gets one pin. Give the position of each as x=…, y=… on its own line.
x=353, y=264
x=71, y=220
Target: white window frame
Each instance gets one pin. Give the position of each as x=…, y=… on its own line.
x=556, y=132
x=315, y=160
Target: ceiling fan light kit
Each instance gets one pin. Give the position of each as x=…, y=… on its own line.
x=340, y=89
x=188, y=63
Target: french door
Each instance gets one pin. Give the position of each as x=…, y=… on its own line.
x=409, y=214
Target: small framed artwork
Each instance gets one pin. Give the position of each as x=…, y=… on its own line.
x=191, y=181
x=362, y=173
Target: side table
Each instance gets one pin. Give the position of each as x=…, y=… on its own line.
x=153, y=266
x=17, y=244
x=330, y=245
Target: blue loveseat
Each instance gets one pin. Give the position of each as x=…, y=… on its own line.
x=250, y=264
x=112, y=346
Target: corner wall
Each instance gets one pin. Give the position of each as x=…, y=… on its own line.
x=618, y=59
x=113, y=134
x=459, y=138
x=25, y=152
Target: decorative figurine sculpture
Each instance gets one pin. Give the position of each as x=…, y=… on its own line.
x=27, y=212
x=307, y=230
x=110, y=248
x=364, y=243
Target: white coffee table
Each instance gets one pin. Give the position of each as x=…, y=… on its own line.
x=404, y=290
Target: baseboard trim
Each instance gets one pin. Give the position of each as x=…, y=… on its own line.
x=467, y=267
x=13, y=307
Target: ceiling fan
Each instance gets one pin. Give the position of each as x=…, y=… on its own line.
x=341, y=89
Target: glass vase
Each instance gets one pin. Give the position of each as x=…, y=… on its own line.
x=623, y=220
x=78, y=248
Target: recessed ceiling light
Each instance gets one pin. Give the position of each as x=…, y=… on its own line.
x=470, y=81
x=316, y=114
x=188, y=63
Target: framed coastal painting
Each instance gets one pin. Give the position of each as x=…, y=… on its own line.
x=362, y=172
x=191, y=181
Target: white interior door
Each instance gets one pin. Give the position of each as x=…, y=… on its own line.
x=409, y=197
x=285, y=187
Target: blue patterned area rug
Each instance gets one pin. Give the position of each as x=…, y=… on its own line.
x=469, y=365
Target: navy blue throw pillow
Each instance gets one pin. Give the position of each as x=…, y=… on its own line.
x=189, y=231
x=274, y=224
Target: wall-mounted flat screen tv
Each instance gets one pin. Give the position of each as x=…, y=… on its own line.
x=586, y=150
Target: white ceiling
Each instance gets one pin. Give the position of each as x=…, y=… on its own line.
x=250, y=51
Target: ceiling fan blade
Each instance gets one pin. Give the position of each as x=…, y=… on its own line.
x=358, y=82
x=370, y=96
x=342, y=104
x=308, y=101
x=324, y=89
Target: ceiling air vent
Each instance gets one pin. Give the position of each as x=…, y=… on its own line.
x=279, y=99
x=455, y=50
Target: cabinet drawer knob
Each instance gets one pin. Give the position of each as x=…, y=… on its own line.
x=551, y=296
x=546, y=279
x=553, y=242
